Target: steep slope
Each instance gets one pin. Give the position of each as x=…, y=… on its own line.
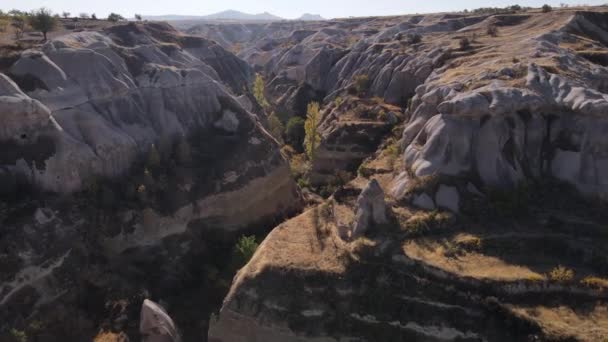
x=503, y=121
x=124, y=153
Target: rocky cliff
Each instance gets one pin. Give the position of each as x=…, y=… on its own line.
x=124, y=150
x=493, y=166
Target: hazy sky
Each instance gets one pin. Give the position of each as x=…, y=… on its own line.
x=283, y=8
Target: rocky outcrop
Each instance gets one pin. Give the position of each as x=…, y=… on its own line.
x=155, y=325
x=371, y=210
x=127, y=140
x=483, y=124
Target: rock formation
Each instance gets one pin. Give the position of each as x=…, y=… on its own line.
x=371, y=209
x=117, y=144
x=505, y=131
x=155, y=325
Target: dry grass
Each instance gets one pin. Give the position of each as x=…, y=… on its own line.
x=425, y=221
x=445, y=254
x=595, y=283
x=108, y=336
x=586, y=325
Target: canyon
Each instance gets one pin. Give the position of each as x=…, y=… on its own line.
x=457, y=191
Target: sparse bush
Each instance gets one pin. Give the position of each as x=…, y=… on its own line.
x=561, y=274
x=492, y=30
x=414, y=38
x=312, y=136
x=114, y=17
x=93, y=16
x=138, y=17
x=294, y=132
x=546, y=8
x=464, y=43
x=392, y=153
x=338, y=101
x=84, y=15
x=43, y=20
x=66, y=14
x=361, y=84
x=244, y=249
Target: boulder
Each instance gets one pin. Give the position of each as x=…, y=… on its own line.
x=156, y=325
x=371, y=209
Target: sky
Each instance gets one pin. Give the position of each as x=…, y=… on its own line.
x=283, y=8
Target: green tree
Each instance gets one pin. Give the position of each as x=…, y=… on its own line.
x=312, y=137
x=114, y=17
x=546, y=8
x=43, y=20
x=275, y=126
x=244, y=249
x=294, y=132
x=258, y=91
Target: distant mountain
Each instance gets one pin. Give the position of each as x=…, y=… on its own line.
x=224, y=15
x=310, y=17
x=236, y=15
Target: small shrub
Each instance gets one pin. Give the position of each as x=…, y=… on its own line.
x=361, y=84
x=138, y=17
x=245, y=248
x=464, y=44
x=546, y=8
x=392, y=153
x=561, y=274
x=84, y=15
x=327, y=210
x=303, y=183
x=414, y=38
x=338, y=101
x=492, y=30
x=65, y=15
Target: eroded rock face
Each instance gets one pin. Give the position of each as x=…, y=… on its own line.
x=526, y=106
x=81, y=117
x=371, y=209
x=156, y=325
